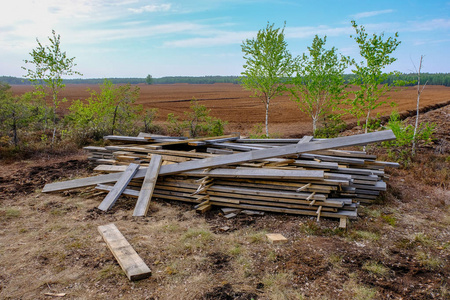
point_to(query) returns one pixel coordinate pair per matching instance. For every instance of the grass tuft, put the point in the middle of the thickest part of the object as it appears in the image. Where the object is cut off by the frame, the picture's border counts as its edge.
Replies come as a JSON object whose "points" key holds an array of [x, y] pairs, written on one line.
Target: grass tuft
{"points": [[376, 268]]}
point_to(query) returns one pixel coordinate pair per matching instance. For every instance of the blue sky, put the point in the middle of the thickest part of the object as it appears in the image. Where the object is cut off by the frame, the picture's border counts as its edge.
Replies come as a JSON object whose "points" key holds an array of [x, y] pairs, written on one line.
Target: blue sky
{"points": [[133, 38]]}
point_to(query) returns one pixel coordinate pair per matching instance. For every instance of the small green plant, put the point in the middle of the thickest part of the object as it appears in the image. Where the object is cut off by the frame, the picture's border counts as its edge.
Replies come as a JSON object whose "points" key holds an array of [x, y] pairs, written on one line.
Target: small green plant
{"points": [[235, 250], [367, 235], [257, 237], [257, 132], [109, 271], [12, 213], [428, 260], [373, 124], [376, 268], [197, 121], [390, 219], [332, 125], [400, 148], [148, 117]]}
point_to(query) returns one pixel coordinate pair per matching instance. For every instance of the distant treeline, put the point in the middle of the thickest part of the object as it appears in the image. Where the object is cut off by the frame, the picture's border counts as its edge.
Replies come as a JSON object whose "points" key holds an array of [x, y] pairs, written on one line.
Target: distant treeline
{"points": [[409, 79]]}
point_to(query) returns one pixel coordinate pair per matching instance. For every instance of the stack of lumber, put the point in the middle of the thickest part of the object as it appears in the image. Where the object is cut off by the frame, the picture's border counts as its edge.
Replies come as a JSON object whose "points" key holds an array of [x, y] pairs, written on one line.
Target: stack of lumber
{"points": [[297, 176]]}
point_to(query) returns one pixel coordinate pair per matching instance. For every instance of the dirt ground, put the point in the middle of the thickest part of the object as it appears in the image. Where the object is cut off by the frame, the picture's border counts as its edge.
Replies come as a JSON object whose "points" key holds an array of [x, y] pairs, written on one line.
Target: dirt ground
{"points": [[230, 102], [399, 248]]}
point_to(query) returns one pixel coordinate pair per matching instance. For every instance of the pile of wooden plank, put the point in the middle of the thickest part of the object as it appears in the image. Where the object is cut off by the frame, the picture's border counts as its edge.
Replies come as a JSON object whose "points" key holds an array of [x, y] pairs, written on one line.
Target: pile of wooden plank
{"points": [[297, 176]]}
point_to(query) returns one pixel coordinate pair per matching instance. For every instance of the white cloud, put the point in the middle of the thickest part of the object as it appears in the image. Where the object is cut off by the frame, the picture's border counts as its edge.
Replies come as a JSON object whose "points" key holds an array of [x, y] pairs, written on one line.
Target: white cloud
{"points": [[435, 24], [220, 38], [151, 8], [372, 13], [308, 31]]}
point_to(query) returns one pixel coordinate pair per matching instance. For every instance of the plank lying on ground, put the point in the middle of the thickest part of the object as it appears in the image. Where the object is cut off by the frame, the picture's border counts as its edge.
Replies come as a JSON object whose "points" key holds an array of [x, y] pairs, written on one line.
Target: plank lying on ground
{"points": [[148, 186], [133, 265], [120, 185], [361, 139]]}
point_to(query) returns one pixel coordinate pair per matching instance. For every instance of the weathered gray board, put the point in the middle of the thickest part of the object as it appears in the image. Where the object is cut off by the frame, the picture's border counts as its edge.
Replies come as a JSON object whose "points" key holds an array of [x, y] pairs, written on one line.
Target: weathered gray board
{"points": [[148, 186], [126, 256], [361, 139], [119, 187], [259, 173]]}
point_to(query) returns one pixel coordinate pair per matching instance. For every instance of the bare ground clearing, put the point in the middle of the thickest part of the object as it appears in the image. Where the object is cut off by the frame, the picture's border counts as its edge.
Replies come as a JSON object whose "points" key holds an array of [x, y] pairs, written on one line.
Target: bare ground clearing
{"points": [[232, 103], [398, 248]]}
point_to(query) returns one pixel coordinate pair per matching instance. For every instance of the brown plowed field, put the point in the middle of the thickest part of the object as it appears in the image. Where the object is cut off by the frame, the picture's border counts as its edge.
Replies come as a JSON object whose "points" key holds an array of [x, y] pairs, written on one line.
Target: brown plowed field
{"points": [[232, 103]]}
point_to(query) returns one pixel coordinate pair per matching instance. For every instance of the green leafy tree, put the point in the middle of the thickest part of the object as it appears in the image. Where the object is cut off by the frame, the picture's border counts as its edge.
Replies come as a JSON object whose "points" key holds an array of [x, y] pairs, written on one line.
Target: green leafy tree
{"points": [[15, 113], [149, 79], [319, 83], [108, 111], [268, 64], [369, 75], [50, 64]]}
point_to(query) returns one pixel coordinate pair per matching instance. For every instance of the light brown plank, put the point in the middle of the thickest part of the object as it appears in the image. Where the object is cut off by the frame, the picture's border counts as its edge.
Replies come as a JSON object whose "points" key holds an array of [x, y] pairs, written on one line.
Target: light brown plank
{"points": [[143, 202], [133, 265]]}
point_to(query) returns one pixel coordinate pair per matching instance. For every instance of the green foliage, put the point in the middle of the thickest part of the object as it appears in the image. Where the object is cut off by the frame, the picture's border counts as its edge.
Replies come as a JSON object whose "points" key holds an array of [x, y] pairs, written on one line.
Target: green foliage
{"points": [[197, 121], [268, 62], [109, 111], [400, 148], [369, 76], [319, 84], [50, 63], [257, 132], [149, 79], [332, 125], [148, 116], [16, 112], [373, 124]]}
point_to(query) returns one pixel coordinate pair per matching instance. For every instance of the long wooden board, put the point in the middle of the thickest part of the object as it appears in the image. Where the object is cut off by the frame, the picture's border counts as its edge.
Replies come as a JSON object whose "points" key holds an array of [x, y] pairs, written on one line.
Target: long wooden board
{"points": [[148, 186], [119, 187], [258, 173], [361, 139], [133, 265]]}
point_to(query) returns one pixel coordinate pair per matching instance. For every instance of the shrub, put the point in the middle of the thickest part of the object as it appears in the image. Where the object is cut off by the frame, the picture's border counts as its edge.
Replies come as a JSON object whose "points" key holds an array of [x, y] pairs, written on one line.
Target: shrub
{"points": [[197, 121], [400, 148], [332, 125]]}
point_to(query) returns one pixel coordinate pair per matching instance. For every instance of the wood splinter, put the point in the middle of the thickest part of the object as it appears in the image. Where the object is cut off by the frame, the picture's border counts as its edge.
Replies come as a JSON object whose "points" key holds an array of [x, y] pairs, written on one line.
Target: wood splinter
{"points": [[303, 187], [318, 213]]}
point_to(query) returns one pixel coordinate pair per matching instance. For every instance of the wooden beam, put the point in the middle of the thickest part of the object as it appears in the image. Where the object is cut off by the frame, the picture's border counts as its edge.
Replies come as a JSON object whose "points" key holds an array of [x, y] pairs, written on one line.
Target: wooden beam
{"points": [[119, 187], [133, 265], [145, 195], [360, 139]]}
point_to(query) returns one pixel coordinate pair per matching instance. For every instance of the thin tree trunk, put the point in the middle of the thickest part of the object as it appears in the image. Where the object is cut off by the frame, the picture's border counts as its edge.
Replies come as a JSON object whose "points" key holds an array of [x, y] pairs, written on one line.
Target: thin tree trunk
{"points": [[413, 150], [267, 117], [367, 121], [16, 140], [114, 120], [54, 118], [314, 126]]}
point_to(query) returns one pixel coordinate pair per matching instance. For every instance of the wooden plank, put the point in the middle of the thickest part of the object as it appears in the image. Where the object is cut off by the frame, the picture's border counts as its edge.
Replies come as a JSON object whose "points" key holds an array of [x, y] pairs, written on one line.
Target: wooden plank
{"points": [[120, 185], [338, 159], [305, 139], [126, 139], [143, 202], [133, 265], [258, 173], [199, 139], [276, 238], [361, 139]]}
